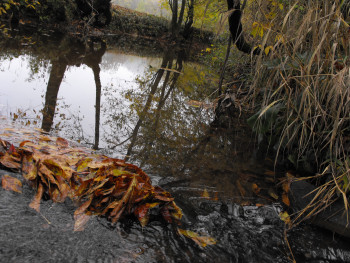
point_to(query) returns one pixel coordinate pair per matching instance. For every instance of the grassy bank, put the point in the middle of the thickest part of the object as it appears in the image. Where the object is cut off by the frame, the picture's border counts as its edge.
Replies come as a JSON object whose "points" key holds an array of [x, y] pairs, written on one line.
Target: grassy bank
{"points": [[65, 16], [299, 89]]}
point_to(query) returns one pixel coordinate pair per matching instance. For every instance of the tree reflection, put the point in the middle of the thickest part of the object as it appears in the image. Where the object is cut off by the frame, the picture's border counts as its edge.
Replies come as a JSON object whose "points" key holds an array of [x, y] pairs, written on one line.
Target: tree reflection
{"points": [[168, 82], [73, 53]]}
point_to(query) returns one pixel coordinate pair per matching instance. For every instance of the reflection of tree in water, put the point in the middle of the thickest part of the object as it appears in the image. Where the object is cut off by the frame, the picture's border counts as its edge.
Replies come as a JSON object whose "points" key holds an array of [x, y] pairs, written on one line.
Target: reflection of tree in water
{"points": [[166, 136], [73, 53]]}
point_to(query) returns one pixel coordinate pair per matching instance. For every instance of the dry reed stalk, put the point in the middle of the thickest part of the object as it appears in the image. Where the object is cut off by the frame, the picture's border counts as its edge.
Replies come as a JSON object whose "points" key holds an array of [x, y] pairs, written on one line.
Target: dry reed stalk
{"points": [[306, 80]]}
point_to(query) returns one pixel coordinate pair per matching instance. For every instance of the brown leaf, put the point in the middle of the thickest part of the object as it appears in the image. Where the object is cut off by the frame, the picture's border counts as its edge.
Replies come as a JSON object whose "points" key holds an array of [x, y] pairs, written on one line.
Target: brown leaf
{"points": [[80, 221], [35, 204], [10, 161], [240, 188], [117, 211], [82, 208], [11, 184], [141, 212], [62, 142], [255, 189], [29, 169]]}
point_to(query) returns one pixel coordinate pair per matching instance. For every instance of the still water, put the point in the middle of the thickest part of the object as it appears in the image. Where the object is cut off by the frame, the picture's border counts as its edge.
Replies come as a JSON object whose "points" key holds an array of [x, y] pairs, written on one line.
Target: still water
{"points": [[138, 101]]}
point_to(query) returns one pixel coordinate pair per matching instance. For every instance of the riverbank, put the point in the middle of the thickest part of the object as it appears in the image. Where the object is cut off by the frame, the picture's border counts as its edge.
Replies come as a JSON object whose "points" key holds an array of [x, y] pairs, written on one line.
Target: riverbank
{"points": [[123, 21]]}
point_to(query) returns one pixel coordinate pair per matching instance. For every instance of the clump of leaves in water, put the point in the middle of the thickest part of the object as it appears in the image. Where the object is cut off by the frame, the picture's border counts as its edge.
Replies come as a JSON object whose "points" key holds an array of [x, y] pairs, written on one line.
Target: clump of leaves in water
{"points": [[101, 185]]}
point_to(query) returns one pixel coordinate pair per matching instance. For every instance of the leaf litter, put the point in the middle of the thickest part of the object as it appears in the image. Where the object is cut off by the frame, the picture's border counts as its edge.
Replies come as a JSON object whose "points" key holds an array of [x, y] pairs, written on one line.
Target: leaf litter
{"points": [[102, 186]]}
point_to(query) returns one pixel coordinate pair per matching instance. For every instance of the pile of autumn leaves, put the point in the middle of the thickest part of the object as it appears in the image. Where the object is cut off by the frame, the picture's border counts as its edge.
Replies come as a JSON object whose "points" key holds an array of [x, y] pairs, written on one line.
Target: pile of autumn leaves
{"points": [[100, 185]]}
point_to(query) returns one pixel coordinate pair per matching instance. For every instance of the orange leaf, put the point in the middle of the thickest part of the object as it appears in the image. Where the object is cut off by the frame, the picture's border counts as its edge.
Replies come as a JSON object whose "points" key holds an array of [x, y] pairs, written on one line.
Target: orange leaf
{"points": [[285, 199], [11, 184], [23, 143], [255, 188], [285, 187], [35, 204], [269, 173]]}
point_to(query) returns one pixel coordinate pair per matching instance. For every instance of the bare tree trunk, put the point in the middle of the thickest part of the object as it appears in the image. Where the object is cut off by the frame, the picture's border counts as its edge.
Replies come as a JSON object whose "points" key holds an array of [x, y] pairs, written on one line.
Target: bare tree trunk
{"points": [[235, 26], [174, 7], [189, 20]]}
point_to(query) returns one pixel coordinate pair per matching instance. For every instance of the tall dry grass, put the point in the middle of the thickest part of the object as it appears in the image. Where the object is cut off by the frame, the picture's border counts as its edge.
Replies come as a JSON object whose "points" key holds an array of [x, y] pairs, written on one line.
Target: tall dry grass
{"points": [[301, 89]]}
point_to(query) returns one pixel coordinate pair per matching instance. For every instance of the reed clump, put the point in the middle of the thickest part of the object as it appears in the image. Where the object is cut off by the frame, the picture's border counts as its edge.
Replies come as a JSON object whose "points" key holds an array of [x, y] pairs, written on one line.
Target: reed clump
{"points": [[300, 89]]}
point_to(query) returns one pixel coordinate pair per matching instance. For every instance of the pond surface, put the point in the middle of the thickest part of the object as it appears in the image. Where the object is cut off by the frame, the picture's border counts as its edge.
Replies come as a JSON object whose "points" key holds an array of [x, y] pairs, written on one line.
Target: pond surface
{"points": [[140, 102]]}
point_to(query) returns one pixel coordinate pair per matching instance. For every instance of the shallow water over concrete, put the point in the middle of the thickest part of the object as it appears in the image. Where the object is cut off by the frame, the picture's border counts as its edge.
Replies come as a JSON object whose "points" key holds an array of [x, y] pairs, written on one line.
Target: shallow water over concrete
{"points": [[143, 109]]}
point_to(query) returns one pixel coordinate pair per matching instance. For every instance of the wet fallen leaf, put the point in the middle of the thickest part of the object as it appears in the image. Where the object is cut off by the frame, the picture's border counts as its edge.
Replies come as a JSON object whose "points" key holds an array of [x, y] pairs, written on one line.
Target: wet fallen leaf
{"points": [[35, 204], [205, 194], [10, 161], [255, 188], [202, 241], [61, 142], [11, 184], [142, 212], [80, 221], [240, 188], [285, 217], [29, 169], [272, 193], [285, 187], [269, 173], [285, 199], [112, 187]]}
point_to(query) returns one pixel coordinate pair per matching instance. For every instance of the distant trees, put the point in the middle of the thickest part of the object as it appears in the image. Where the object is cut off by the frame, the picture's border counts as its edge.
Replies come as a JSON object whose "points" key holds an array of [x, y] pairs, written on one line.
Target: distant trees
{"points": [[179, 10]]}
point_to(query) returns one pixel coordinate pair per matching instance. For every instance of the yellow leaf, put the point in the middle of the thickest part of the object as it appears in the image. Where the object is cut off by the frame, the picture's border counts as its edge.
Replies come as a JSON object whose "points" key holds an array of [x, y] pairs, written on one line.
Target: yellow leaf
{"points": [[205, 194], [272, 193], [285, 217], [202, 241], [267, 50]]}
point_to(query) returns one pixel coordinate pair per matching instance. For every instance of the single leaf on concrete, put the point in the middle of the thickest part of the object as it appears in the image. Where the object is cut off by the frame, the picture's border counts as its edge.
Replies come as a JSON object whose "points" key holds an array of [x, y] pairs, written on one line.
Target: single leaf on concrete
{"points": [[80, 221], [202, 241], [82, 208], [35, 204], [11, 184]]}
